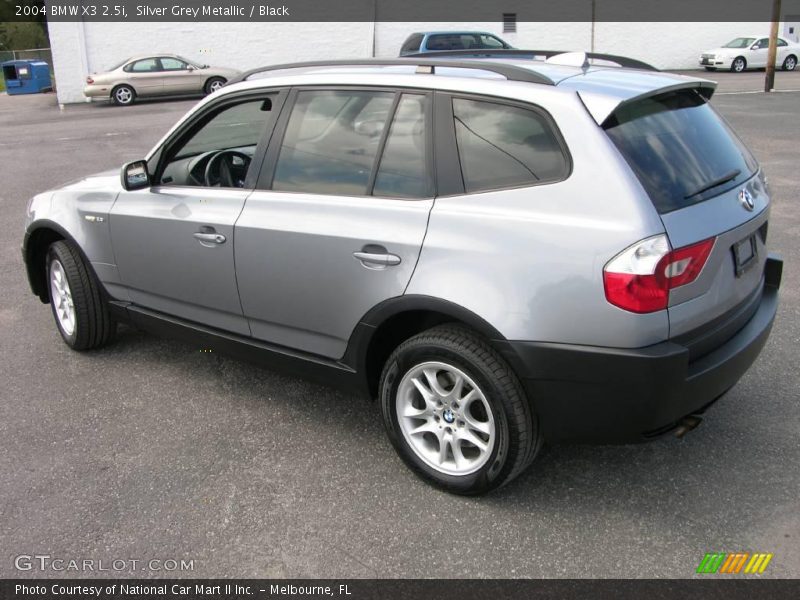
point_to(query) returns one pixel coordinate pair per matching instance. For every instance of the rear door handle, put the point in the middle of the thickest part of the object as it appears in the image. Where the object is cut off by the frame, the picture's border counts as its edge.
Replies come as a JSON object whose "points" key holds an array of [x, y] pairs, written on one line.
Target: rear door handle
{"points": [[209, 238], [373, 259]]}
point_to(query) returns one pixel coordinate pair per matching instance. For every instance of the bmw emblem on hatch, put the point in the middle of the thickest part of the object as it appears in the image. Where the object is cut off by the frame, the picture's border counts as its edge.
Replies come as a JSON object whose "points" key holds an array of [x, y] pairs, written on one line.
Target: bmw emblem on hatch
{"points": [[747, 200]]}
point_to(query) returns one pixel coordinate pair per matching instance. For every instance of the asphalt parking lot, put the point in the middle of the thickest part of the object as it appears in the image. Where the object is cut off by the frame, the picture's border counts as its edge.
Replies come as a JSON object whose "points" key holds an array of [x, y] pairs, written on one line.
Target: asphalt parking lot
{"points": [[151, 449]]}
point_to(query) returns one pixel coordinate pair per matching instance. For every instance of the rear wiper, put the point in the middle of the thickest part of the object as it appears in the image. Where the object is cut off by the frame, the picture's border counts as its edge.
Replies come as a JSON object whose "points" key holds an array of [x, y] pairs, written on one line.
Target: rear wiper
{"points": [[730, 176]]}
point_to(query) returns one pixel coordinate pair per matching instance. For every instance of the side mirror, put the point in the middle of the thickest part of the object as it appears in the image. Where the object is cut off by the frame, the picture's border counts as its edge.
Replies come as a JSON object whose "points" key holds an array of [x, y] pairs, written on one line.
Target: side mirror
{"points": [[190, 68], [135, 175]]}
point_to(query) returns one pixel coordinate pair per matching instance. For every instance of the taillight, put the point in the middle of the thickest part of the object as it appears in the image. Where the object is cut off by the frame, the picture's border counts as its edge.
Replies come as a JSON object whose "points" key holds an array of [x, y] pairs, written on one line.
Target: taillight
{"points": [[89, 80], [639, 278]]}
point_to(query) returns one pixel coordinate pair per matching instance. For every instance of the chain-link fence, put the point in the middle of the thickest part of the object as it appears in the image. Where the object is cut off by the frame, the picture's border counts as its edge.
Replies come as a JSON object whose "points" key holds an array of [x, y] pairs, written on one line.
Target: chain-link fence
{"points": [[35, 53]]}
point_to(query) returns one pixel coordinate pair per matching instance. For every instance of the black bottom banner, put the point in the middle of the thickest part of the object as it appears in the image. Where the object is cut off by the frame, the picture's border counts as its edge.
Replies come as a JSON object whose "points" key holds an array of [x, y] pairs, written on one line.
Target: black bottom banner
{"points": [[358, 589]]}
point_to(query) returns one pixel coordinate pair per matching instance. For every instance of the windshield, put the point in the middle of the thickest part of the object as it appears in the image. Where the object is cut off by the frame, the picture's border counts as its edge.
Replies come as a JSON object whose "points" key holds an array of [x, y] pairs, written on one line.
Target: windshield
{"points": [[740, 43], [681, 150]]}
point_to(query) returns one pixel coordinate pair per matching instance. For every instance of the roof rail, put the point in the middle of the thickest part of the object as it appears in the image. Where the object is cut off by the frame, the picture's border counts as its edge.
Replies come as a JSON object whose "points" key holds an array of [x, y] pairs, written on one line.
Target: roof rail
{"points": [[426, 65], [622, 61]]}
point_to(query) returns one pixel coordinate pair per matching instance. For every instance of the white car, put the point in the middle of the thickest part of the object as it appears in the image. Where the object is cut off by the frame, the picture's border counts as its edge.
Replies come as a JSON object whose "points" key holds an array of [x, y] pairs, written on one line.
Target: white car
{"points": [[750, 52]]}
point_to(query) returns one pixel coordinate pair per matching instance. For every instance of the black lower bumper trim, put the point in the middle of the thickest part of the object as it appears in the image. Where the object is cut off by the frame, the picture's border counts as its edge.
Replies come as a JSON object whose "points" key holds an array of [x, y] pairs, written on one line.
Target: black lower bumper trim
{"points": [[591, 394]]}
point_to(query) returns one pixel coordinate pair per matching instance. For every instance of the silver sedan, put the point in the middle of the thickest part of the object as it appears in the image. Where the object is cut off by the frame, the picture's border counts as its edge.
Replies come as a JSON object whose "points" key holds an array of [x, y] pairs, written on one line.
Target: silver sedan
{"points": [[162, 75]]}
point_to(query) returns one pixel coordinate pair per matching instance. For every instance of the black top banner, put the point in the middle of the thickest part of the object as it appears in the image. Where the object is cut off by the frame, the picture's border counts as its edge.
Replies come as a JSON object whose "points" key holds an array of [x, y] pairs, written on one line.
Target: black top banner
{"points": [[394, 10]]}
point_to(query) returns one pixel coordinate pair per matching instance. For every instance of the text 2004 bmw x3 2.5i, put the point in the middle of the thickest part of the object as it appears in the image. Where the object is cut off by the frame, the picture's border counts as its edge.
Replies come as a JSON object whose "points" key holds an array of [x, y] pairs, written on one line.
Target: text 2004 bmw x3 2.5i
{"points": [[502, 251]]}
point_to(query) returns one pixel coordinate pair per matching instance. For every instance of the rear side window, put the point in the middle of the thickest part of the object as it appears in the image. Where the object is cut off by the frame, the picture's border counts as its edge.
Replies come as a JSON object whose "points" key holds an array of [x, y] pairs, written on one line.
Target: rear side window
{"points": [[145, 66], [331, 142], [412, 44], [502, 146], [403, 168], [680, 149]]}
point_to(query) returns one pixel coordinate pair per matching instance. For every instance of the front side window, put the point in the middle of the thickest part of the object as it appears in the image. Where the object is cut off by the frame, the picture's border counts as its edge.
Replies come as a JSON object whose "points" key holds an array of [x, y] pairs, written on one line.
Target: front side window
{"points": [[172, 64], [489, 41], [502, 146], [331, 141], [219, 151]]}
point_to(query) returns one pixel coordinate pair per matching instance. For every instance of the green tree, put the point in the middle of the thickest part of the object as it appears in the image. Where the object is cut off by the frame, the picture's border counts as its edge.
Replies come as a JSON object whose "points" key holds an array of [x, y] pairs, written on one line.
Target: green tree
{"points": [[16, 34]]}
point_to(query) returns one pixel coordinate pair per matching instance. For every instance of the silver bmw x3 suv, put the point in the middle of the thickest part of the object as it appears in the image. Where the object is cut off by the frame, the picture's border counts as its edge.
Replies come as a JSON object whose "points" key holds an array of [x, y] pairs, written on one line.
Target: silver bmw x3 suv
{"points": [[502, 251]]}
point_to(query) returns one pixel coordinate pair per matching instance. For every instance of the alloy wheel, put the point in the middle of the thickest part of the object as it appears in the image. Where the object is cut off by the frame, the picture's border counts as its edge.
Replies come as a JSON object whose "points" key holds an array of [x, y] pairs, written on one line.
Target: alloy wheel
{"points": [[445, 418], [61, 297]]}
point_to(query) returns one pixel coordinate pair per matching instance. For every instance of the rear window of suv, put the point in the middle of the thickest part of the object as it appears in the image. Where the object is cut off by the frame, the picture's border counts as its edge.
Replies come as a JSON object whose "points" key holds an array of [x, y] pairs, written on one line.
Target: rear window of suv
{"points": [[681, 150]]}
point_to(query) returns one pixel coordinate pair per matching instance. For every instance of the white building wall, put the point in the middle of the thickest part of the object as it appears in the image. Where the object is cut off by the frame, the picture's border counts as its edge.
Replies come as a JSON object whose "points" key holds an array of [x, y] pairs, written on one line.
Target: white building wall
{"points": [[83, 48], [237, 45]]}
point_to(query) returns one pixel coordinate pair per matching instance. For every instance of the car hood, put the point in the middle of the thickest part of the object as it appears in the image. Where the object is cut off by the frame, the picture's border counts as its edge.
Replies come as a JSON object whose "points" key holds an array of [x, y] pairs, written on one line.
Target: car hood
{"points": [[104, 180]]}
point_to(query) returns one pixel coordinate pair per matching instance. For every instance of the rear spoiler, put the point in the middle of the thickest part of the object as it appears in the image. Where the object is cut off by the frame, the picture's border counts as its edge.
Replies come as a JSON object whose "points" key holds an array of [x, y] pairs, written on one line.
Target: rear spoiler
{"points": [[602, 107]]}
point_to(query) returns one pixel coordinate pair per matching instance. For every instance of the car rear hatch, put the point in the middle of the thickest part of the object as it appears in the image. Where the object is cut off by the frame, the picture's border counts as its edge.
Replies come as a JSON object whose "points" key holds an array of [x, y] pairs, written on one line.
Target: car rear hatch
{"points": [[705, 185]]}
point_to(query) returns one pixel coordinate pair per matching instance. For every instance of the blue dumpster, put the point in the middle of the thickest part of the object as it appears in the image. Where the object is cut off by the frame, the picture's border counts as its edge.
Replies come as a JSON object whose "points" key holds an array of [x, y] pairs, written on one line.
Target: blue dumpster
{"points": [[26, 76]]}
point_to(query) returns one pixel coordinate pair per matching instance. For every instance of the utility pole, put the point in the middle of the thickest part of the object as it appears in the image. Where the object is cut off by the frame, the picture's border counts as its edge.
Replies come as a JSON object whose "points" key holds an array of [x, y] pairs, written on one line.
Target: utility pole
{"points": [[769, 80]]}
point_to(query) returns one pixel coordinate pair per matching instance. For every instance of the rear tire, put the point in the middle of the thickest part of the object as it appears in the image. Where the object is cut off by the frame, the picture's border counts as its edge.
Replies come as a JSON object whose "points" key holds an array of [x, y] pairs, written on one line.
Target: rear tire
{"points": [[123, 95], [739, 64], [78, 306], [466, 438], [213, 84], [789, 63]]}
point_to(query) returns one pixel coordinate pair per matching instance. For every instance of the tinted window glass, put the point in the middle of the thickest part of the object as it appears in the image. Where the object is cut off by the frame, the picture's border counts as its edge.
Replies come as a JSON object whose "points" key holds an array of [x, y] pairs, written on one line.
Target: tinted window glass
{"points": [[489, 41], [505, 146], [447, 42], [402, 172], [145, 66], [331, 142], [237, 129], [677, 145], [782, 42], [412, 43]]}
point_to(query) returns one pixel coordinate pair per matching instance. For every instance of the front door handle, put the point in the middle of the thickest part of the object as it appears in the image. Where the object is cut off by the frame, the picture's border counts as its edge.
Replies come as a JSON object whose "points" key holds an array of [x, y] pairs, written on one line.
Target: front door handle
{"points": [[375, 259], [209, 238]]}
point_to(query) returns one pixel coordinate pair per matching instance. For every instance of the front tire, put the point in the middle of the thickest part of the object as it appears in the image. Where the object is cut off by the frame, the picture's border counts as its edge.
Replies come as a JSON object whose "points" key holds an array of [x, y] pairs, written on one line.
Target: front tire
{"points": [[790, 63], [80, 312], [213, 84], [739, 64], [123, 95], [456, 413]]}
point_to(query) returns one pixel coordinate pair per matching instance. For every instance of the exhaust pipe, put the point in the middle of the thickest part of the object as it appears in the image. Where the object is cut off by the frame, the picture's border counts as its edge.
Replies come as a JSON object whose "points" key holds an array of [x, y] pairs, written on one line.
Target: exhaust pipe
{"points": [[686, 424]]}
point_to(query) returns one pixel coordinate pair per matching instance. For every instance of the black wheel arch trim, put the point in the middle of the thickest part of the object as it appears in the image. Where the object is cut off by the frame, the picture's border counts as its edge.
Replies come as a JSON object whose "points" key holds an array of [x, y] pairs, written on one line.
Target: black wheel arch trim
{"points": [[36, 278], [357, 354]]}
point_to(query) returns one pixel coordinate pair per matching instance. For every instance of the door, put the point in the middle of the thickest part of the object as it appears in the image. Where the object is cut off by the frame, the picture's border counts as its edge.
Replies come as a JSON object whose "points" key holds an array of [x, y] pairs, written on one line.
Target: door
{"points": [[179, 78], [146, 76], [338, 222], [757, 56], [174, 241]]}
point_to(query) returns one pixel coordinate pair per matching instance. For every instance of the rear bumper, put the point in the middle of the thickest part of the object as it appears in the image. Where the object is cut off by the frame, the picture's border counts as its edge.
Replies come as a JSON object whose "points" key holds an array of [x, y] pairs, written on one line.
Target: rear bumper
{"points": [[610, 395], [97, 91]]}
